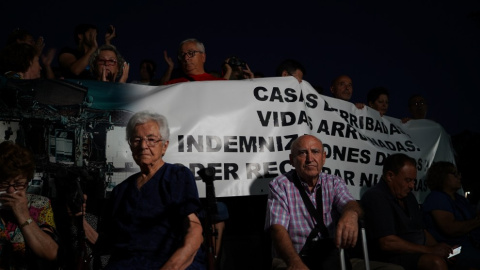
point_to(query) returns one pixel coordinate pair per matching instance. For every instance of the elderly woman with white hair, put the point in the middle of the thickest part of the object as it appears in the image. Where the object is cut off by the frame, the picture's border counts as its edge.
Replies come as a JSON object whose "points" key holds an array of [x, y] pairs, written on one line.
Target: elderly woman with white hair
{"points": [[151, 219]]}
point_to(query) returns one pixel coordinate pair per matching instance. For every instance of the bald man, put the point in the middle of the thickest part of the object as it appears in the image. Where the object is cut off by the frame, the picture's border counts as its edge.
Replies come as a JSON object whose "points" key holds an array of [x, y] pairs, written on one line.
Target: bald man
{"points": [[342, 88]]}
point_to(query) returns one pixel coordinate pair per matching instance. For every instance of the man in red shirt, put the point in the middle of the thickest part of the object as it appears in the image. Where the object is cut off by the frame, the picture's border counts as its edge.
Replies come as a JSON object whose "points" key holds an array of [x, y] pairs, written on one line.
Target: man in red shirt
{"points": [[191, 54]]}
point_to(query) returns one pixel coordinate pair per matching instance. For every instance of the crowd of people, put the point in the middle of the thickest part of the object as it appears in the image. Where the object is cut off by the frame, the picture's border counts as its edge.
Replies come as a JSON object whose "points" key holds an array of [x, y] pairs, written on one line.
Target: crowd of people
{"points": [[153, 219], [400, 234], [23, 58]]}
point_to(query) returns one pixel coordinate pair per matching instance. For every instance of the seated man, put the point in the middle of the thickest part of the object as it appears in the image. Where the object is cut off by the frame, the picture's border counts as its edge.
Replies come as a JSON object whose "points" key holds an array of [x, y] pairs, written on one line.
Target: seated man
{"points": [[394, 222], [289, 220]]}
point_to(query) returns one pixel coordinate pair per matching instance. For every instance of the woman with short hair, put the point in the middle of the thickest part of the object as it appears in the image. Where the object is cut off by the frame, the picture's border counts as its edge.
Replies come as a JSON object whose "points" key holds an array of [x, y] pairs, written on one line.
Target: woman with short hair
{"points": [[151, 219], [27, 229], [377, 99], [20, 61], [108, 65]]}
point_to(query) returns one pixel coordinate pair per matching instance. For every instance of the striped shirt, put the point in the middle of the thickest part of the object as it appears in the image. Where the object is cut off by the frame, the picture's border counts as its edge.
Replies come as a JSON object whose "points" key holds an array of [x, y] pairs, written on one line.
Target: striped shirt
{"points": [[286, 207]]}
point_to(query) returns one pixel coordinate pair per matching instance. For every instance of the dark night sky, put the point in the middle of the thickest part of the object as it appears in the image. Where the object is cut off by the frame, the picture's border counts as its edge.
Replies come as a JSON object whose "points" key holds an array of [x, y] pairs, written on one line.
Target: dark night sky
{"points": [[426, 47]]}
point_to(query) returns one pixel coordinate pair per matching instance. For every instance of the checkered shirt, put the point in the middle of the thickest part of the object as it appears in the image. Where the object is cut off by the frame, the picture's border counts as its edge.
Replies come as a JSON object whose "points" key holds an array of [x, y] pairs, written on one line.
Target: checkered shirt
{"points": [[286, 207]]}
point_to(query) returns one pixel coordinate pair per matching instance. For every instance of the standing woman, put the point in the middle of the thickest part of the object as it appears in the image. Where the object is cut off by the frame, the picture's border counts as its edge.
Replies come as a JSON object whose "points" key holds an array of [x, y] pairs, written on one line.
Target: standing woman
{"points": [[27, 229], [449, 217], [377, 99], [108, 65]]}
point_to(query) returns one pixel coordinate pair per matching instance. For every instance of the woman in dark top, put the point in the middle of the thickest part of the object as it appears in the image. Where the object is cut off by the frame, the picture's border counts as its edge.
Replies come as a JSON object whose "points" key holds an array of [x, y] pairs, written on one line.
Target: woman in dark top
{"points": [[151, 218], [449, 217]]}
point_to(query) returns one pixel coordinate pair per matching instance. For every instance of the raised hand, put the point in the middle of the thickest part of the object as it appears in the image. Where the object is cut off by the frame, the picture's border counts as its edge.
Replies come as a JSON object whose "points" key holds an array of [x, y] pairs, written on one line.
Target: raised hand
{"points": [[39, 45], [111, 34], [126, 69], [247, 73], [168, 60], [48, 57]]}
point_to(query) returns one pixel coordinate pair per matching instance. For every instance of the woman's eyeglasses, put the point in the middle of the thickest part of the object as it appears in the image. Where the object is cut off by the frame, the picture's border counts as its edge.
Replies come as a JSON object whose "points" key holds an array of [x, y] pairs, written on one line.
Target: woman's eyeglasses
{"points": [[151, 141], [190, 54], [107, 62], [16, 186]]}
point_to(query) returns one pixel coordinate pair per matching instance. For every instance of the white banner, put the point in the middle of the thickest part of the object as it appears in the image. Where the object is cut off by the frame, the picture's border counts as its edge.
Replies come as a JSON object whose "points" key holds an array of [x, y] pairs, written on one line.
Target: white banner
{"points": [[244, 130]]}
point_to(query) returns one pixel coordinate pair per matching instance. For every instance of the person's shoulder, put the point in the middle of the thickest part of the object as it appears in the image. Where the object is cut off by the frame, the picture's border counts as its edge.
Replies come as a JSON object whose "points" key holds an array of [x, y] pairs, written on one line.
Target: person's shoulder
{"points": [[38, 200], [283, 179], [206, 77], [373, 192], [434, 195], [125, 182], [437, 199], [177, 80], [288, 176], [330, 177], [332, 180], [173, 172], [177, 168]]}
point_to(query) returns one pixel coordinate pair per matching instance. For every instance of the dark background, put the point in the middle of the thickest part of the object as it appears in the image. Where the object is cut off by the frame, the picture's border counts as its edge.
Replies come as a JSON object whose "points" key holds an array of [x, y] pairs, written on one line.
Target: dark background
{"points": [[426, 47]]}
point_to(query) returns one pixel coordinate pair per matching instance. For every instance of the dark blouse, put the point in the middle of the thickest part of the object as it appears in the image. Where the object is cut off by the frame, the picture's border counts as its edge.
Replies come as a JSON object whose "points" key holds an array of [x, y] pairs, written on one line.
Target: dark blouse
{"points": [[384, 216], [149, 223], [66, 73], [460, 208]]}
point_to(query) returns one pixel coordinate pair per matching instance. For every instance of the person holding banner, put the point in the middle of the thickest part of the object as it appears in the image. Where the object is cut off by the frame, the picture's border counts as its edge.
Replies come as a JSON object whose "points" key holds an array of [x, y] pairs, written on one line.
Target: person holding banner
{"points": [[151, 218], [192, 57], [377, 99], [394, 224], [342, 88], [302, 235], [417, 106], [291, 67], [449, 216]]}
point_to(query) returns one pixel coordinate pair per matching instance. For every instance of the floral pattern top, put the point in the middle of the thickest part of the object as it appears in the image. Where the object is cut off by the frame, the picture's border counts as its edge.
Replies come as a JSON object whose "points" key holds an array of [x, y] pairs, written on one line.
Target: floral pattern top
{"points": [[12, 243]]}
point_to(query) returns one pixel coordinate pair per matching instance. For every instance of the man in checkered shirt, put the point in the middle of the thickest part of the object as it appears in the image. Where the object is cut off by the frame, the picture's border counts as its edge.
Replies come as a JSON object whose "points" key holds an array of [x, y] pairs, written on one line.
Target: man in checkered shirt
{"points": [[288, 219]]}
